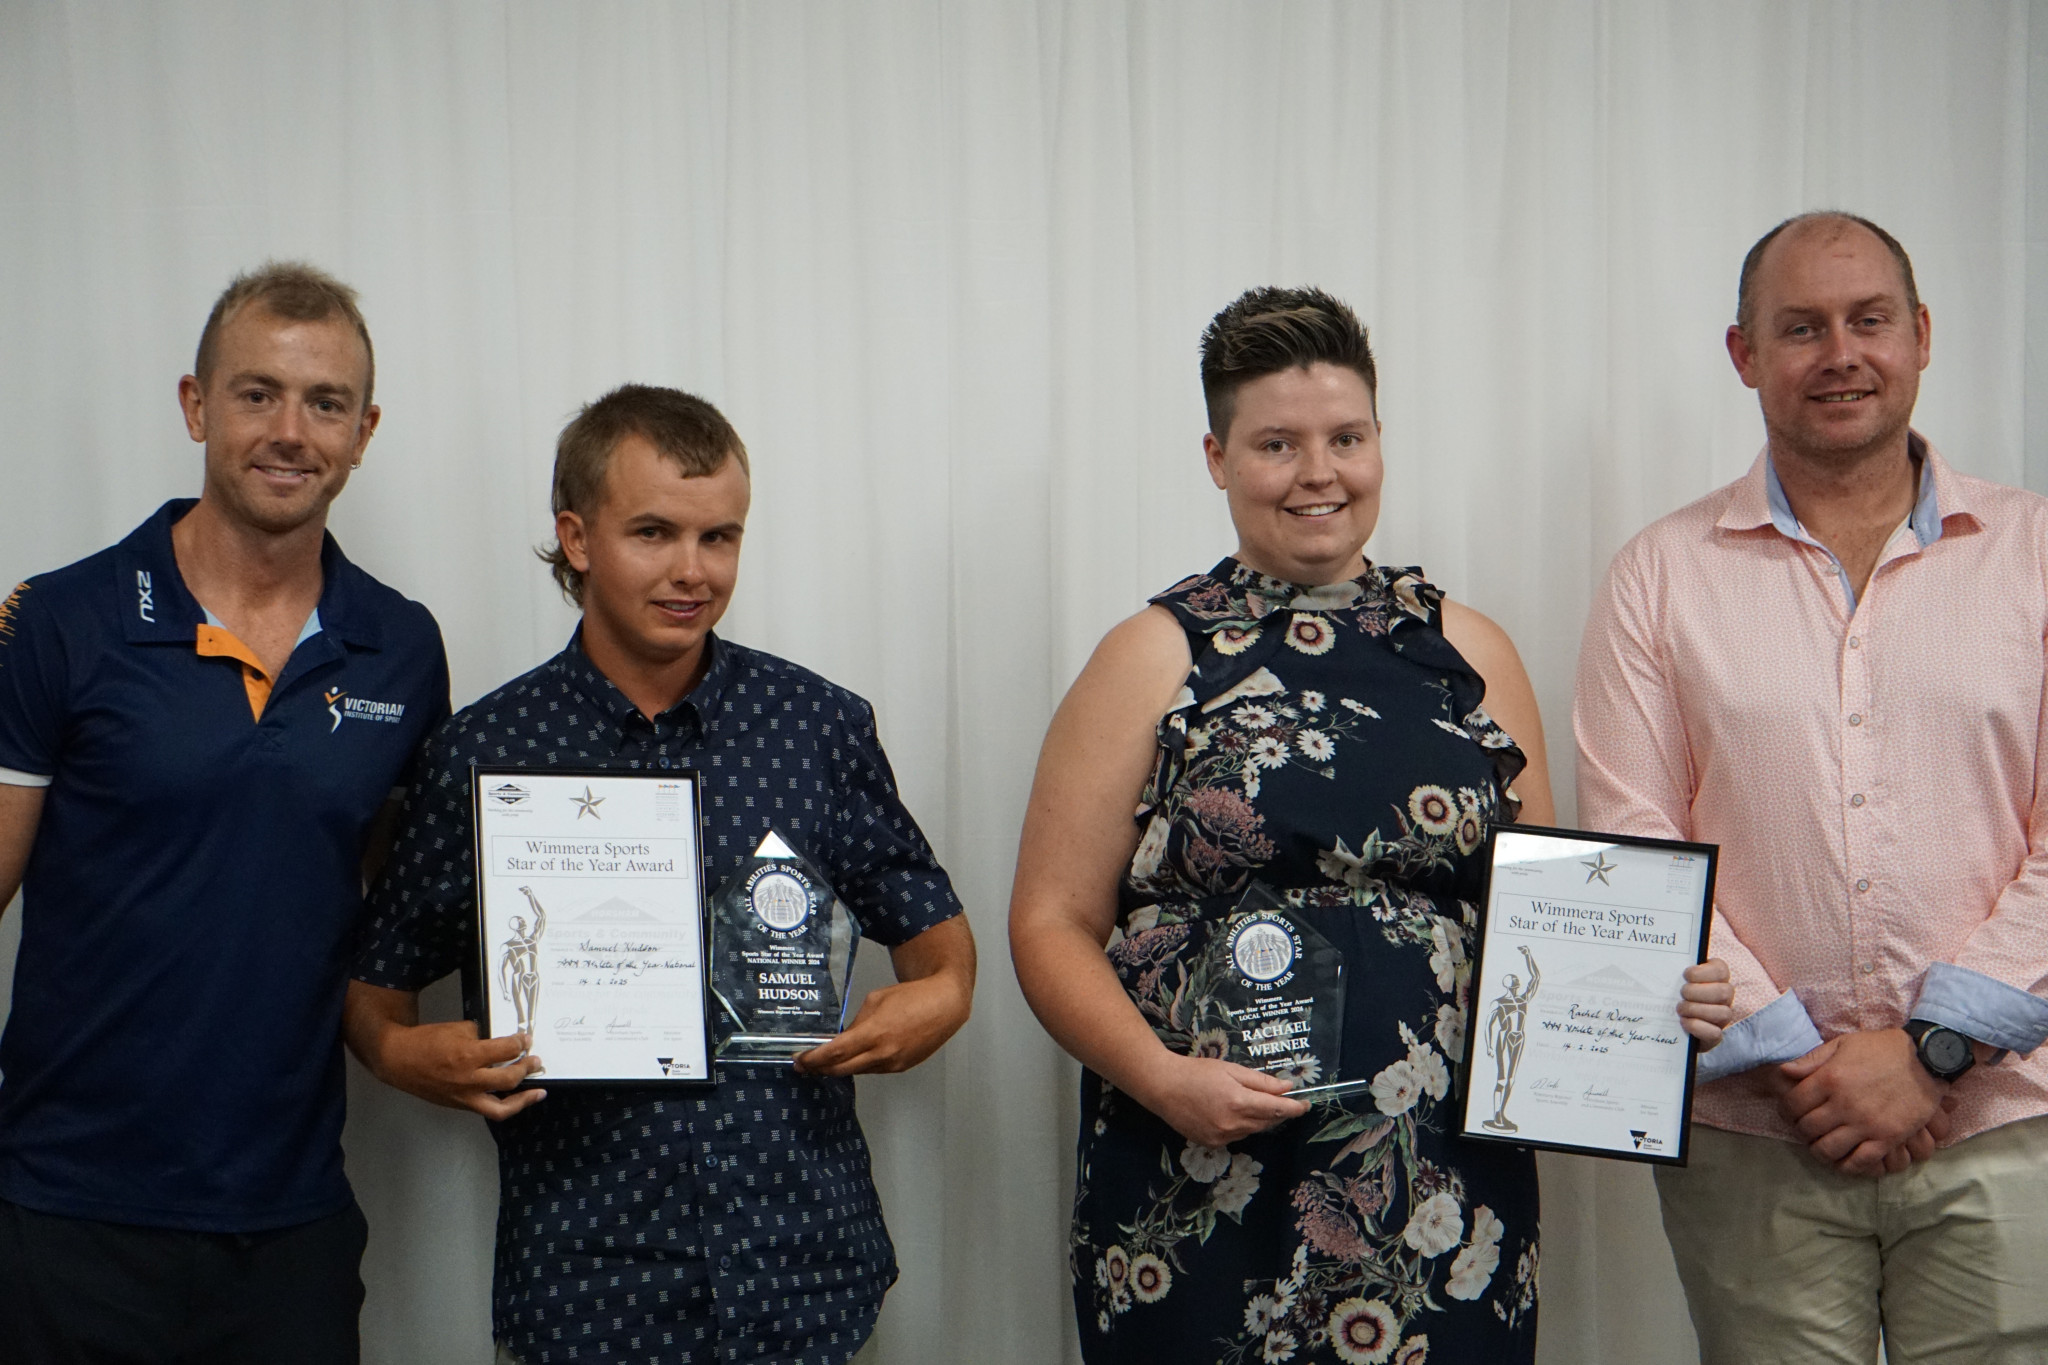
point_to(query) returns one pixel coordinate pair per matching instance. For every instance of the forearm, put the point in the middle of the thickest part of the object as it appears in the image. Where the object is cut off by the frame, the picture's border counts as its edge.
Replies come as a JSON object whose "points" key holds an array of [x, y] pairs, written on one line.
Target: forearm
{"points": [[444, 1064], [1071, 987], [368, 1016], [942, 954], [21, 813], [900, 1026]]}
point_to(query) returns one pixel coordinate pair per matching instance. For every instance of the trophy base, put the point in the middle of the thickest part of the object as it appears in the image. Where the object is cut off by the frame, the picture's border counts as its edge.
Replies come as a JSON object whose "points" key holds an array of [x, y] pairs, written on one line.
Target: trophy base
{"points": [[767, 1049], [1500, 1126]]}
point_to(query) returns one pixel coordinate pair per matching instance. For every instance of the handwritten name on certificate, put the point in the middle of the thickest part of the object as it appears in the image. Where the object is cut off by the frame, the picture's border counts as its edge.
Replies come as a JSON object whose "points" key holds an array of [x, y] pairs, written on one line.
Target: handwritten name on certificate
{"points": [[591, 922], [1576, 1042]]}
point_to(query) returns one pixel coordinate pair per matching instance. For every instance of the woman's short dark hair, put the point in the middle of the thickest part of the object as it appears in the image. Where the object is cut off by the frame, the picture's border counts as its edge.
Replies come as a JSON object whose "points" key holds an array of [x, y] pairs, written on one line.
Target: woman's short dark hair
{"points": [[1267, 330], [684, 429]]}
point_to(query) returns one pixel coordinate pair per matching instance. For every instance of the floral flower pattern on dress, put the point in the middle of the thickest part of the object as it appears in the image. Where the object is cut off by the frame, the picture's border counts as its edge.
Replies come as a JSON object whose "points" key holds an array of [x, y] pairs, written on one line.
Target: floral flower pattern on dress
{"points": [[1388, 1251]]}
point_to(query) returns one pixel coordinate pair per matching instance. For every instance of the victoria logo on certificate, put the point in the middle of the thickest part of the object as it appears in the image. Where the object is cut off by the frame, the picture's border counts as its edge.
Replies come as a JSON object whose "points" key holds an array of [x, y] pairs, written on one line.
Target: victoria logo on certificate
{"points": [[1575, 1041], [590, 915]]}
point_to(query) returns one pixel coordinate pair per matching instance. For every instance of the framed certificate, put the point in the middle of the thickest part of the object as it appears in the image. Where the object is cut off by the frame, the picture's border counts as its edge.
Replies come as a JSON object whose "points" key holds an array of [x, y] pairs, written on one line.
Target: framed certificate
{"points": [[591, 924], [1575, 1042]]}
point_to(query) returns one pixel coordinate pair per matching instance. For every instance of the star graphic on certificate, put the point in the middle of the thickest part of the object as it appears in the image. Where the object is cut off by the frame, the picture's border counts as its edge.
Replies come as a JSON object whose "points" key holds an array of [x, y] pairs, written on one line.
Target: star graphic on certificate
{"points": [[587, 804], [1601, 867]]}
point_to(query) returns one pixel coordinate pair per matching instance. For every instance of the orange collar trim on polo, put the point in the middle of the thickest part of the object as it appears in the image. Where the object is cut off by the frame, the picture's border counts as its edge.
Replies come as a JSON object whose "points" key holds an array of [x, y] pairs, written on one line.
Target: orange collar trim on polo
{"points": [[219, 642]]}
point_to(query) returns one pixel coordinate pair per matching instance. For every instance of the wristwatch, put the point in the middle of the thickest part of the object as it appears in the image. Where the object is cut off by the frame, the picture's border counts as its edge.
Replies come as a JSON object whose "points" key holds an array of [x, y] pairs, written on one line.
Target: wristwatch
{"points": [[1945, 1053]]}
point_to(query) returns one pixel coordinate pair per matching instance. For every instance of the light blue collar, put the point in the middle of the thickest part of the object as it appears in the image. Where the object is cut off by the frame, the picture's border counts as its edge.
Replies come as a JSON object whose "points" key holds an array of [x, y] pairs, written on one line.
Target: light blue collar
{"points": [[1924, 520], [306, 632]]}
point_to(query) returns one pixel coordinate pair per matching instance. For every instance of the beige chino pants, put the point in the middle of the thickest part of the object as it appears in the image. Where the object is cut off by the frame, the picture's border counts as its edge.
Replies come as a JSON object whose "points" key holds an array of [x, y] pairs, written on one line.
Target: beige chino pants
{"points": [[1785, 1261]]}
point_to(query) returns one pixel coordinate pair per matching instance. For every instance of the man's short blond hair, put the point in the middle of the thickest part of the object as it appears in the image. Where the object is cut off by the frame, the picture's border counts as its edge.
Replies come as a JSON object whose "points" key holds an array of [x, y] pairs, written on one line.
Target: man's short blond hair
{"points": [[291, 290]]}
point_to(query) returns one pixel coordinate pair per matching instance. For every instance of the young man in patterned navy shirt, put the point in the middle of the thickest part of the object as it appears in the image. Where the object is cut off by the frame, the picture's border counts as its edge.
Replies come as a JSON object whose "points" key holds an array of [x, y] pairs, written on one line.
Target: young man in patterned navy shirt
{"points": [[671, 1226]]}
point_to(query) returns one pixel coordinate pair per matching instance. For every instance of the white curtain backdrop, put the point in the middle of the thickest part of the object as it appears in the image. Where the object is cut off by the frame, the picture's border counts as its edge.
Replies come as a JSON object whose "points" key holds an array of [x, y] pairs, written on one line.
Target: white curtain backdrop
{"points": [[944, 265]]}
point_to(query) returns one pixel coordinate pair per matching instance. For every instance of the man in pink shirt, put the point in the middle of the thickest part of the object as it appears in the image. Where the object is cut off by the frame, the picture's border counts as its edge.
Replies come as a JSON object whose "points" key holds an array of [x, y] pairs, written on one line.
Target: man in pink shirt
{"points": [[1834, 669]]}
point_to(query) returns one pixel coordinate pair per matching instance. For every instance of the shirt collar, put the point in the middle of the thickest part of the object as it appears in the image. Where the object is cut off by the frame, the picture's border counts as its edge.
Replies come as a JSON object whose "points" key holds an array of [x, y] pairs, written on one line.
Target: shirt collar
{"points": [[590, 683], [306, 632], [1759, 498], [158, 607]]}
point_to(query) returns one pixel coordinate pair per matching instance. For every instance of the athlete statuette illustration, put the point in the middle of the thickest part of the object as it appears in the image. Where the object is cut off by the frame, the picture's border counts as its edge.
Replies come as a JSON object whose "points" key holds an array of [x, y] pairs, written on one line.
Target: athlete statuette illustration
{"points": [[519, 967], [1506, 1032]]}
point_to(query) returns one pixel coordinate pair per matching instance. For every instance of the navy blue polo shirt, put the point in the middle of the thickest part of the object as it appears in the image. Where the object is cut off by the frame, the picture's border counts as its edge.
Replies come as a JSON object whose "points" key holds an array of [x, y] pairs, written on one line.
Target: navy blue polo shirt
{"points": [[173, 1056], [678, 1227]]}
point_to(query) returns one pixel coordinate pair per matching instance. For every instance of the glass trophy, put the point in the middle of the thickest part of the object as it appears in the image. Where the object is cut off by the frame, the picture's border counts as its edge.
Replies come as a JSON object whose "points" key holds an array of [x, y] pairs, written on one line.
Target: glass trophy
{"points": [[781, 955], [1273, 989]]}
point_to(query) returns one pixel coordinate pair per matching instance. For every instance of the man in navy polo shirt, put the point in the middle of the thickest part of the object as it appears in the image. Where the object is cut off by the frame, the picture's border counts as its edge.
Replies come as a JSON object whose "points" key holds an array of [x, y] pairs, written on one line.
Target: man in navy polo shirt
{"points": [[672, 1226], [198, 727]]}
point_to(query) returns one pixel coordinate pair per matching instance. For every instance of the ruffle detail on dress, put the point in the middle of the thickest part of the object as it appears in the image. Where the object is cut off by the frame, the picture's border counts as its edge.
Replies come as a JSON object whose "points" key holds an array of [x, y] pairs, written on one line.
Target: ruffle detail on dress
{"points": [[1237, 619]]}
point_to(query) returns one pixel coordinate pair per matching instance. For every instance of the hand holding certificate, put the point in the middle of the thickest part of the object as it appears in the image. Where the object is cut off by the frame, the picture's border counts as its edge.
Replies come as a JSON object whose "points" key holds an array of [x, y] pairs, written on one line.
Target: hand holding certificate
{"points": [[591, 922], [1577, 1043]]}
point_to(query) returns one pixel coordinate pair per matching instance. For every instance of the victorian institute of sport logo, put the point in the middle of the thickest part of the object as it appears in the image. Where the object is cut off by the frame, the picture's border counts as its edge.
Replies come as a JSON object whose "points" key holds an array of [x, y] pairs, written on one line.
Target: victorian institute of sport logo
{"points": [[342, 706]]}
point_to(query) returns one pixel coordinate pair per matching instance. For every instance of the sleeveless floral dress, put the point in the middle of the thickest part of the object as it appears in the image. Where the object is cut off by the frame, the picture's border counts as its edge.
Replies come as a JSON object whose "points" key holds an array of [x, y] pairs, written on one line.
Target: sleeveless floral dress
{"points": [[1330, 743]]}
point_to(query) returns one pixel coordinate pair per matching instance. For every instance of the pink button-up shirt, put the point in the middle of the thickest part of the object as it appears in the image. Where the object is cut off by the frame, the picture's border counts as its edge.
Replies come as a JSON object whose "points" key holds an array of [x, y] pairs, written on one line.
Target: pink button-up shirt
{"points": [[1873, 775]]}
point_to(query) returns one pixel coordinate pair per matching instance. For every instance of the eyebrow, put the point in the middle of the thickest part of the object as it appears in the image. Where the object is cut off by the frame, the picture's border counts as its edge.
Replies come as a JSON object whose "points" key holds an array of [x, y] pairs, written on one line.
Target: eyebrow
{"points": [[641, 520], [1282, 429], [1886, 300], [270, 381]]}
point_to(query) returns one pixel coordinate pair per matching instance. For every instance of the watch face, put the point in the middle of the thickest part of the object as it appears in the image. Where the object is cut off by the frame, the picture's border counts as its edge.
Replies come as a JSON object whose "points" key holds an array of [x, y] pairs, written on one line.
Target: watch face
{"points": [[1945, 1050]]}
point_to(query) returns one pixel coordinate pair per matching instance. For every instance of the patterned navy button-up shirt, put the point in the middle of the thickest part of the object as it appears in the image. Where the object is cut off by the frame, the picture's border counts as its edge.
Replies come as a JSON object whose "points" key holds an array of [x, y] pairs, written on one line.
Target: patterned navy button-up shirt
{"points": [[671, 1226]]}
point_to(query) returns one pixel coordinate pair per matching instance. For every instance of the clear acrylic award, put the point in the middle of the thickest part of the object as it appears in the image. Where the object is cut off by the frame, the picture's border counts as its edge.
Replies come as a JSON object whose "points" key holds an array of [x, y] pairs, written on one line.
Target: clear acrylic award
{"points": [[1268, 993], [782, 946]]}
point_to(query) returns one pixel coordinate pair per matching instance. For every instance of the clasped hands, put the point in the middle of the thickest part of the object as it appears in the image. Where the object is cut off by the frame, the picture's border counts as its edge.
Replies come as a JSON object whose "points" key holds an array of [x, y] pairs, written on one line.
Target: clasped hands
{"points": [[1862, 1101]]}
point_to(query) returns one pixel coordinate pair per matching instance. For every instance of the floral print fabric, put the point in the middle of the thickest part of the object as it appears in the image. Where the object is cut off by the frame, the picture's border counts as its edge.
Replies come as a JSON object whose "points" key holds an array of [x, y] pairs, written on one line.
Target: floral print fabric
{"points": [[1331, 744]]}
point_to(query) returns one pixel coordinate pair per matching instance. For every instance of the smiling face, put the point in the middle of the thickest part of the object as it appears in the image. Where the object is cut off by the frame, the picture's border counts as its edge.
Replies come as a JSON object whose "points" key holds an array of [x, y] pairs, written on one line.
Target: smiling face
{"points": [[282, 417], [659, 557], [1835, 350], [1301, 467]]}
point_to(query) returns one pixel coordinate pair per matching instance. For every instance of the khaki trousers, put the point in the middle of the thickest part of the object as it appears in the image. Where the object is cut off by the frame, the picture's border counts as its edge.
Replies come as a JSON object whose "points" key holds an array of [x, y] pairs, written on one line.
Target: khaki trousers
{"points": [[1785, 1261]]}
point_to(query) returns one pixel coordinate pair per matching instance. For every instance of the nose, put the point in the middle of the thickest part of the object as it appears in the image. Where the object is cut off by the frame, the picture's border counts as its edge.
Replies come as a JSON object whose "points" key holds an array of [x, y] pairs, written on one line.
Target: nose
{"points": [[686, 566], [1318, 466], [1842, 354], [289, 426]]}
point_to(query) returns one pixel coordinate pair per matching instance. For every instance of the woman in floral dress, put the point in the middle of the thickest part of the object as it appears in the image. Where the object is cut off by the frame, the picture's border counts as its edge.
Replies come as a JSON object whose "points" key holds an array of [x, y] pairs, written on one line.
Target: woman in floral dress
{"points": [[1303, 719]]}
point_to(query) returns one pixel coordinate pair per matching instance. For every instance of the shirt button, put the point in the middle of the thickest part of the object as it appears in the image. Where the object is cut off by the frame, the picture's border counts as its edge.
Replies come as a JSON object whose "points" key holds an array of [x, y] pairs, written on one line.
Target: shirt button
{"points": [[1857, 799], [1855, 643], [664, 762], [1863, 883], [1869, 968], [1853, 720], [725, 1262]]}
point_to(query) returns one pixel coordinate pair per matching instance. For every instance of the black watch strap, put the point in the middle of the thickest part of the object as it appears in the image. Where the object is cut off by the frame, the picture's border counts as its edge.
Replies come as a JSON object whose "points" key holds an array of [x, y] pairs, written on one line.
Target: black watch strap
{"points": [[1945, 1053]]}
